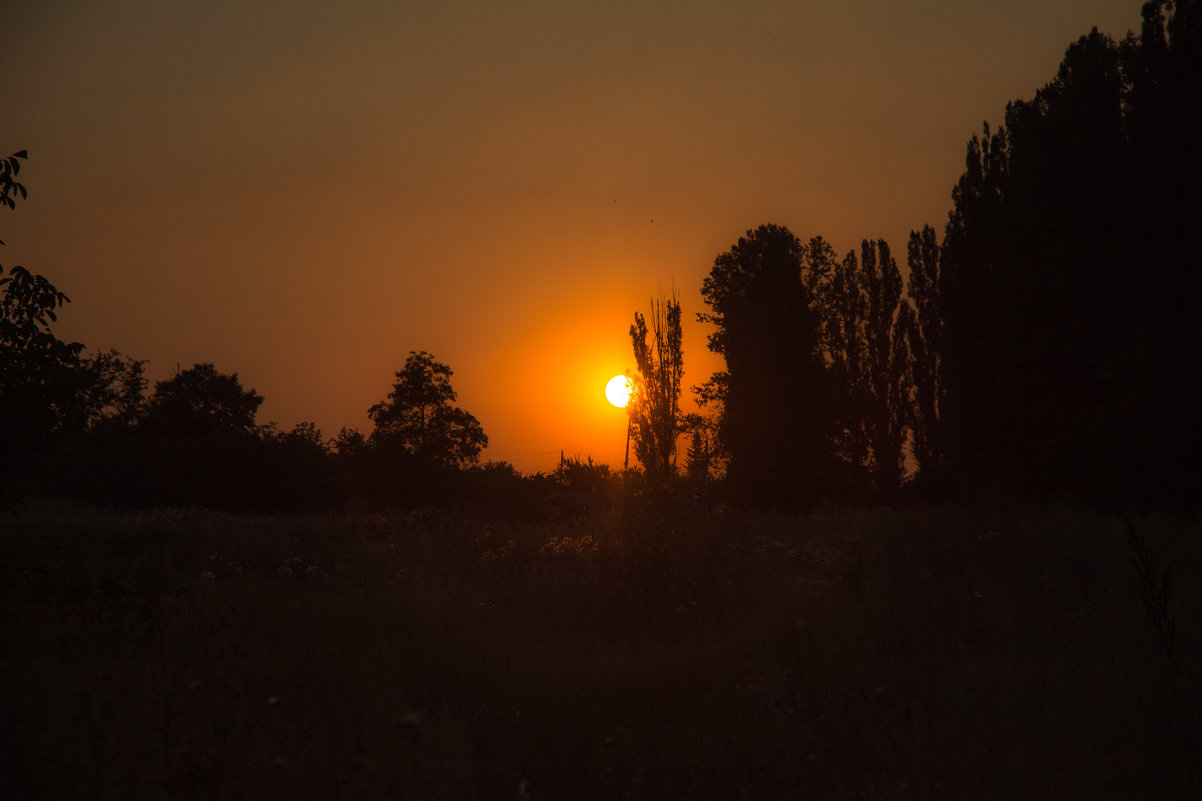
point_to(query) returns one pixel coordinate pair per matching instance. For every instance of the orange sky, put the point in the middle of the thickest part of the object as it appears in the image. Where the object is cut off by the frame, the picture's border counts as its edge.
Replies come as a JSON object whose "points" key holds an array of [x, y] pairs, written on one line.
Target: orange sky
{"points": [[303, 192]]}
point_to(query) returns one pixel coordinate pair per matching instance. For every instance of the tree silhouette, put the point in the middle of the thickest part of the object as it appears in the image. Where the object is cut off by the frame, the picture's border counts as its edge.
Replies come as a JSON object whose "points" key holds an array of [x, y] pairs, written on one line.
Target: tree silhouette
{"points": [[924, 333], [841, 305], [96, 458], [970, 320], [654, 406], [113, 390], [348, 442], [710, 397], [37, 369], [198, 442], [889, 379], [701, 457], [776, 407], [580, 475], [418, 417], [862, 320], [305, 435], [301, 472], [1071, 276], [10, 187], [202, 401], [38, 379]]}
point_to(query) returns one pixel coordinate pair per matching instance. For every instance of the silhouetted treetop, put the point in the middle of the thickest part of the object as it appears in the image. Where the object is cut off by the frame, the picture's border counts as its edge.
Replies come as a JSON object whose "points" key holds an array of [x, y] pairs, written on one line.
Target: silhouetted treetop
{"points": [[113, 389], [201, 400], [765, 262], [418, 416]]}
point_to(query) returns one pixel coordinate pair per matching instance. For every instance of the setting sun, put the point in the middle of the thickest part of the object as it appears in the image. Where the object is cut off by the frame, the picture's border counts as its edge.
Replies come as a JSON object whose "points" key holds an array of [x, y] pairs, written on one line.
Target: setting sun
{"points": [[618, 390]]}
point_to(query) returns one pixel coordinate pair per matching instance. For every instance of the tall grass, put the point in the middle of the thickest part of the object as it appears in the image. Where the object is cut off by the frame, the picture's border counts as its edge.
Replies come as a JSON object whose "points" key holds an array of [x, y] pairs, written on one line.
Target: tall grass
{"points": [[956, 652]]}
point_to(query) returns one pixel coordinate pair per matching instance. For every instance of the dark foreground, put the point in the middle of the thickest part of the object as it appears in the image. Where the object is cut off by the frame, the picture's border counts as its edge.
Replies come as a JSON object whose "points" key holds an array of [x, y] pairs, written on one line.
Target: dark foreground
{"points": [[983, 652]]}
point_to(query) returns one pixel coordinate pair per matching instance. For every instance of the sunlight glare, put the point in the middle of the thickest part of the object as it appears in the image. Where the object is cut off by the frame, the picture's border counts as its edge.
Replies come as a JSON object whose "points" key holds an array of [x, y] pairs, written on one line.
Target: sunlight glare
{"points": [[618, 390]]}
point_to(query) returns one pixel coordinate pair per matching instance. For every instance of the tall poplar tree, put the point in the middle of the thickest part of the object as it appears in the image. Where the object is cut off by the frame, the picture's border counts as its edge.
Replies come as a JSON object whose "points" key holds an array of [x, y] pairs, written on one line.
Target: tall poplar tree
{"points": [[654, 408], [924, 334], [889, 382], [863, 320]]}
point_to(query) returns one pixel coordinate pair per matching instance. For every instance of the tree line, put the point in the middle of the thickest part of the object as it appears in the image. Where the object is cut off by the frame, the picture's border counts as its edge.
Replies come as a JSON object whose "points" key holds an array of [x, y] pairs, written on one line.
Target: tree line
{"points": [[1050, 344]]}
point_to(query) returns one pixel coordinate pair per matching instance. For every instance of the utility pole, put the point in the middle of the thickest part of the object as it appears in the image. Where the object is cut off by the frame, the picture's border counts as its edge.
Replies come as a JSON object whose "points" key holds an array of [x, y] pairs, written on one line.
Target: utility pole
{"points": [[626, 464]]}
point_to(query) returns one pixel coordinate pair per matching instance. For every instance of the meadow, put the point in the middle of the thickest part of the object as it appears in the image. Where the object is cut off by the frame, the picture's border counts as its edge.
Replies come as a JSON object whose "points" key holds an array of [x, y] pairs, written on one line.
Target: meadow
{"points": [[641, 652]]}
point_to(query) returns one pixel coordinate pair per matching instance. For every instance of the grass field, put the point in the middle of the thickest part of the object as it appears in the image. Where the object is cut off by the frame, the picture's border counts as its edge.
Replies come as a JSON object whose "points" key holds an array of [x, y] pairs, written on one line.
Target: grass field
{"points": [[954, 652]]}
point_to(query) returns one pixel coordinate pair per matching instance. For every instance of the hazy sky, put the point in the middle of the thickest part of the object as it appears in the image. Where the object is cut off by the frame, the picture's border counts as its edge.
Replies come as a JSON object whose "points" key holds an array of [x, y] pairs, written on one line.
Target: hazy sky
{"points": [[303, 192]]}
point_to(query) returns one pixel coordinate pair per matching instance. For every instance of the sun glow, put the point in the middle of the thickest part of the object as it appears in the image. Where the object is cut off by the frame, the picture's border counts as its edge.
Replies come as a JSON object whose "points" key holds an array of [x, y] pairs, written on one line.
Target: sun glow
{"points": [[618, 390]]}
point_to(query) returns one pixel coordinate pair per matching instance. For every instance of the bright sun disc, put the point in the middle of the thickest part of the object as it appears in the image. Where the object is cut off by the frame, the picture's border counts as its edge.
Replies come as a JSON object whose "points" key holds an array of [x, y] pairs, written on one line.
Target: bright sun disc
{"points": [[618, 390]]}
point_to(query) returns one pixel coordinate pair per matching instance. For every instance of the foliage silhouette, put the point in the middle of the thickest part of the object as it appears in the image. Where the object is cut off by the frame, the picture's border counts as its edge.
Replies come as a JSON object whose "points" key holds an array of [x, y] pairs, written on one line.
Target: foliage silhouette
{"points": [[10, 187], [925, 337], [419, 420], [201, 400], [701, 460], [580, 475], [710, 397], [198, 444], [113, 390], [841, 306], [888, 385], [348, 442], [194, 442], [99, 459], [1071, 277], [862, 324], [654, 406], [777, 416], [38, 379]]}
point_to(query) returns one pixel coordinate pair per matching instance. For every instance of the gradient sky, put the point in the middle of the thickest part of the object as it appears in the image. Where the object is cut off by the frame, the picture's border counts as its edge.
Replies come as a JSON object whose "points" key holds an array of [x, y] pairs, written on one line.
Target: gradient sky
{"points": [[303, 192]]}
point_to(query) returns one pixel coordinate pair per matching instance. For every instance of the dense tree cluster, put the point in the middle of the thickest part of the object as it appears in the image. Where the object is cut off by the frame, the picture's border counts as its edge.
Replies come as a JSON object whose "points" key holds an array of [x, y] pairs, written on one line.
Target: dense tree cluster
{"points": [[1049, 344], [1071, 276], [194, 440], [816, 401]]}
